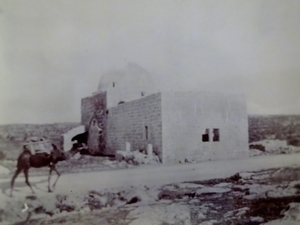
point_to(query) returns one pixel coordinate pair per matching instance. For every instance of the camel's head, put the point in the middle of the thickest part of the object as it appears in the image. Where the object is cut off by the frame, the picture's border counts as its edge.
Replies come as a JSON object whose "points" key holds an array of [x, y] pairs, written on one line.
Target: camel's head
{"points": [[77, 147], [58, 154]]}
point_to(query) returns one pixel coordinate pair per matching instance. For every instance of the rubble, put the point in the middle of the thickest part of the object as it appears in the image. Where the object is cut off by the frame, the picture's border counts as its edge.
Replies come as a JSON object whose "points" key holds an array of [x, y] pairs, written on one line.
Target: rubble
{"points": [[136, 157]]}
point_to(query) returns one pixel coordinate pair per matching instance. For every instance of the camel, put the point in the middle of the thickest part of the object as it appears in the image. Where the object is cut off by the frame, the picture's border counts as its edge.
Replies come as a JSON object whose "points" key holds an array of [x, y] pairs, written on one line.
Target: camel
{"points": [[38, 160]]}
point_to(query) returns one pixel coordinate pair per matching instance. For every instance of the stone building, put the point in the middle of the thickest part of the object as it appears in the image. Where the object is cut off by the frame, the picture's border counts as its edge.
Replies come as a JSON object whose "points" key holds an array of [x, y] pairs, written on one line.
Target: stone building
{"points": [[179, 125]]}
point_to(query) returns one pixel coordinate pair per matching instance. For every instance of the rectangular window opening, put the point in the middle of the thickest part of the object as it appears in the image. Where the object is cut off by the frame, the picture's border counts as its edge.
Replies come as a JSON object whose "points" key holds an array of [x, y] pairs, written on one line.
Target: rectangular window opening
{"points": [[113, 84], [146, 132], [216, 134], [205, 136]]}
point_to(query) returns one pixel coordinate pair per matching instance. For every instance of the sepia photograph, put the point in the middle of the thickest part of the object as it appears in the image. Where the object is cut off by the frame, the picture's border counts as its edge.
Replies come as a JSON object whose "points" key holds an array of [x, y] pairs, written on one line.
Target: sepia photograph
{"points": [[150, 112]]}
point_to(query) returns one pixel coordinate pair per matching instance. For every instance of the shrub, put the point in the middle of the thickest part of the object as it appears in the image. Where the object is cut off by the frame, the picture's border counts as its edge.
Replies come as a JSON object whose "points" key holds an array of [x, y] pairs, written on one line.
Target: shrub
{"points": [[295, 141], [258, 147]]}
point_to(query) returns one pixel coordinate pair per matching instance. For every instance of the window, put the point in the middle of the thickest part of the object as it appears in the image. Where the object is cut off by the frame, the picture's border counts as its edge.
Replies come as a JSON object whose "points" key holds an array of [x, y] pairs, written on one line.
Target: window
{"points": [[142, 93], [205, 136], [146, 132], [113, 84], [216, 134]]}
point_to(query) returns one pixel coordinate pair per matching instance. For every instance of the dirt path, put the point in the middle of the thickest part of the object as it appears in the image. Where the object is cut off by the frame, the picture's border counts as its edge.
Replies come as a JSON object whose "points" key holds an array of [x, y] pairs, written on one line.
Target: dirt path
{"points": [[150, 175]]}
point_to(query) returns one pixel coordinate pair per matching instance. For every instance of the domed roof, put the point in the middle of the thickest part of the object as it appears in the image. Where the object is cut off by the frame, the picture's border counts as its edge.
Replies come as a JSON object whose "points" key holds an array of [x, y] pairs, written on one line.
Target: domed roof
{"points": [[125, 85], [132, 76]]}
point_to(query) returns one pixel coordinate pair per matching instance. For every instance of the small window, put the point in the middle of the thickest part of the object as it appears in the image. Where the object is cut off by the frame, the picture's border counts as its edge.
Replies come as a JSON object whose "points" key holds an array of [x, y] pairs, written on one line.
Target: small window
{"points": [[216, 134], [113, 84], [205, 136], [146, 132], [142, 93]]}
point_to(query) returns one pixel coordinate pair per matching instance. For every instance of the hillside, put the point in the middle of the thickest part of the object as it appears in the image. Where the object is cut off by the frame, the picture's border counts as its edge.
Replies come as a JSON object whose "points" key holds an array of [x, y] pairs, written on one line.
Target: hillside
{"points": [[12, 135], [281, 127]]}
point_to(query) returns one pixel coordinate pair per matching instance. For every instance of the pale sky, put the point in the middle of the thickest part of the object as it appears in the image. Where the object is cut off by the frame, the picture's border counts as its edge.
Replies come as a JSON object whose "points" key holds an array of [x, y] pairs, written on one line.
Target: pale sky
{"points": [[53, 53]]}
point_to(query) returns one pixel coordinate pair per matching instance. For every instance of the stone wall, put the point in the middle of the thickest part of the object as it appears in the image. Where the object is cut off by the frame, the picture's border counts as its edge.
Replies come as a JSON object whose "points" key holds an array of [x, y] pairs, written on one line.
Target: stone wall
{"points": [[94, 108], [138, 122], [90, 106], [188, 116]]}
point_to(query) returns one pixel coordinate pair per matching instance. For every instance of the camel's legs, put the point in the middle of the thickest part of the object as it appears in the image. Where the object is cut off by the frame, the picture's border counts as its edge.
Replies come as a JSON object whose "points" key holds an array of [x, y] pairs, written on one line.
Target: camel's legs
{"points": [[58, 175], [18, 171], [26, 179], [49, 178]]}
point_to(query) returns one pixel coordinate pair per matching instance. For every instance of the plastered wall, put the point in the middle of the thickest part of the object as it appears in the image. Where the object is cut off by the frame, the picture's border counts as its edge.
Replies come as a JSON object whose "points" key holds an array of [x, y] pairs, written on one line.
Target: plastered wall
{"points": [[186, 116]]}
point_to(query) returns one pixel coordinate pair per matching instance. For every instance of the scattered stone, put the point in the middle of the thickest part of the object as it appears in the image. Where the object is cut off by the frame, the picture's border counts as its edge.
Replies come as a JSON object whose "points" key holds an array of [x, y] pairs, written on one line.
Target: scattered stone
{"points": [[255, 152], [189, 185], [194, 201], [209, 222], [236, 213], [223, 185], [124, 155], [136, 157], [257, 219], [76, 156], [212, 190], [242, 211]]}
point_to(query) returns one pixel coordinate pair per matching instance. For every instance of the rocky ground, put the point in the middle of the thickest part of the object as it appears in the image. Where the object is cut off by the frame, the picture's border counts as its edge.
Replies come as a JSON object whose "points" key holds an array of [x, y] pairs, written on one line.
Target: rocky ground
{"points": [[265, 197], [272, 147]]}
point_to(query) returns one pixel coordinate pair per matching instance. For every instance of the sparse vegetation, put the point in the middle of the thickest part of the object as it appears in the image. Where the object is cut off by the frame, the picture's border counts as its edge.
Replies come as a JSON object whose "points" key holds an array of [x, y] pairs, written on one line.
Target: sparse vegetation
{"points": [[274, 127], [258, 147], [294, 141]]}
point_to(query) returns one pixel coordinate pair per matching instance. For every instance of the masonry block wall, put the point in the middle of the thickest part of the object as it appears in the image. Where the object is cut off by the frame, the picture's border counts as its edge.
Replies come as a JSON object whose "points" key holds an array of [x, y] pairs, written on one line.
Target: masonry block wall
{"points": [[138, 122], [187, 117], [93, 109], [91, 105]]}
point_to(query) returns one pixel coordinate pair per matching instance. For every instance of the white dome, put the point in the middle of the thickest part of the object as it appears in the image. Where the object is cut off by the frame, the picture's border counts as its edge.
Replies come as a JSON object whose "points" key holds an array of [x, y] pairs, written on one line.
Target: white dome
{"points": [[132, 83]]}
